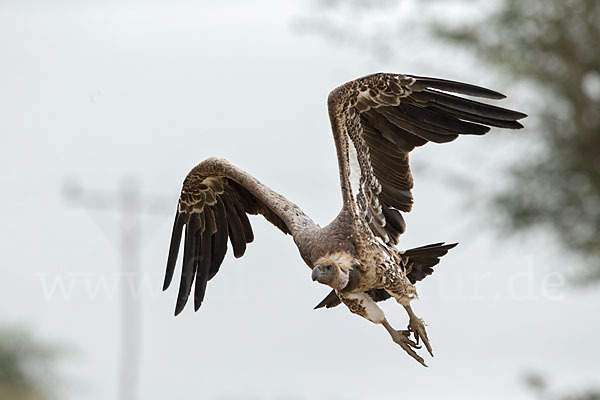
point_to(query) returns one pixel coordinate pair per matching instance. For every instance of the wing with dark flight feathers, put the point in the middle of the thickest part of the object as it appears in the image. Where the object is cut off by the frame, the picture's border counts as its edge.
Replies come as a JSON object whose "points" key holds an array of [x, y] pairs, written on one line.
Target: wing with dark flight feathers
{"points": [[378, 119], [213, 209]]}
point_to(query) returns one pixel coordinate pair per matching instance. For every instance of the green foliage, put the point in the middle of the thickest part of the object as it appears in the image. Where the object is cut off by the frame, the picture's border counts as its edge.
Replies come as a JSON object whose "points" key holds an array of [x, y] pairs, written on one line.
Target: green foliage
{"points": [[25, 367], [553, 45]]}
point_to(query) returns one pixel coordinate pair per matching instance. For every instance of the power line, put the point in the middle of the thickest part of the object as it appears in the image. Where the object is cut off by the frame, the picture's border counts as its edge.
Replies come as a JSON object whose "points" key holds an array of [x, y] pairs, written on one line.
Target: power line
{"points": [[131, 204]]}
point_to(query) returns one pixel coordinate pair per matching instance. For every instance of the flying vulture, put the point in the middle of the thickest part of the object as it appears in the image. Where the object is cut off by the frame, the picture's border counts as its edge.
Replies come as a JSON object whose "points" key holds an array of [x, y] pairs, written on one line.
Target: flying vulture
{"points": [[377, 120]]}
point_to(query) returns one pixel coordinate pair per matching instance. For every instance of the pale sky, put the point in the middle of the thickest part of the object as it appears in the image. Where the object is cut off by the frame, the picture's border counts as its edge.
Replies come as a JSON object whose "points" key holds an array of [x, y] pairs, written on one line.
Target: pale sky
{"points": [[102, 91]]}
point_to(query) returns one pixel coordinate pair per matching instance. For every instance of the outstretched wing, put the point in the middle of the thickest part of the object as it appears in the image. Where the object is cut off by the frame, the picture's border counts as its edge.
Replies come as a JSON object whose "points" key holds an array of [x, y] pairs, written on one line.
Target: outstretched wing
{"points": [[378, 119], [215, 200]]}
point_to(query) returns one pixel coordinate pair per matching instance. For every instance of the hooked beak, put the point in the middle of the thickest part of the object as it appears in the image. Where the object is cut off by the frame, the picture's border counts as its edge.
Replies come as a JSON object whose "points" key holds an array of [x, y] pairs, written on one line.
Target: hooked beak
{"points": [[317, 272]]}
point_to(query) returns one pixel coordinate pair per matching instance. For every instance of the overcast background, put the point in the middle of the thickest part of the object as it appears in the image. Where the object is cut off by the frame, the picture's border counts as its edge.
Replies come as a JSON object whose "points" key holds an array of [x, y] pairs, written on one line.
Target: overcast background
{"points": [[101, 92]]}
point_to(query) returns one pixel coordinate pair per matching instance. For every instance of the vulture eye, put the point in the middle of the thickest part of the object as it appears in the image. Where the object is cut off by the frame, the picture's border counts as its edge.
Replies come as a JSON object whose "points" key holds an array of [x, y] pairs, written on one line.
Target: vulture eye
{"points": [[328, 267]]}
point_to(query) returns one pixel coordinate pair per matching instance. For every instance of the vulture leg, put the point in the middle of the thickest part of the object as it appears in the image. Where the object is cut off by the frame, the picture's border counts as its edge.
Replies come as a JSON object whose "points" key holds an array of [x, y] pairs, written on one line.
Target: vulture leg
{"points": [[363, 305], [402, 338], [417, 327]]}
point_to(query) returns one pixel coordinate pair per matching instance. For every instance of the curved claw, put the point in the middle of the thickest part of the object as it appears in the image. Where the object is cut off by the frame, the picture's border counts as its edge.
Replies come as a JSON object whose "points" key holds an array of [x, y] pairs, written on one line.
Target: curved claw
{"points": [[402, 338], [408, 346], [413, 344], [417, 327]]}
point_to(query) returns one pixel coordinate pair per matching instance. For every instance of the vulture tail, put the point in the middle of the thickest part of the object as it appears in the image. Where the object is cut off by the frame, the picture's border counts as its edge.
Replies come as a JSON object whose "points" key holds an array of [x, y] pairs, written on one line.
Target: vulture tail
{"points": [[421, 260]]}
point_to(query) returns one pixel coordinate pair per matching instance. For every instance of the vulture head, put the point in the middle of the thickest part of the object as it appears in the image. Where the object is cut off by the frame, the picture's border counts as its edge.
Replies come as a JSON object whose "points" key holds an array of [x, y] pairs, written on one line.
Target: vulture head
{"points": [[334, 270]]}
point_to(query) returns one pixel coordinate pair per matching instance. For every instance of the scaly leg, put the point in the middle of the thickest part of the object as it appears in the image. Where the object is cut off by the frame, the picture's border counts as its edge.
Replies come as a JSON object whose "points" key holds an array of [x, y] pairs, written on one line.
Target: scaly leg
{"points": [[417, 327], [363, 305], [402, 338]]}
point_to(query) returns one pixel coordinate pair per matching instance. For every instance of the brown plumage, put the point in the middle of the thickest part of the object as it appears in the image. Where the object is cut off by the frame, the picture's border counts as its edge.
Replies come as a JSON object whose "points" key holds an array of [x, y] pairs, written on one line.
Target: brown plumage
{"points": [[376, 121]]}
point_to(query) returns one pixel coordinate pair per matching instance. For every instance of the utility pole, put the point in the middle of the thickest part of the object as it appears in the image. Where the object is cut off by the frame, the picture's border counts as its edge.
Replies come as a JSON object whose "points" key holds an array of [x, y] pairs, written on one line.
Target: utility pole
{"points": [[131, 205]]}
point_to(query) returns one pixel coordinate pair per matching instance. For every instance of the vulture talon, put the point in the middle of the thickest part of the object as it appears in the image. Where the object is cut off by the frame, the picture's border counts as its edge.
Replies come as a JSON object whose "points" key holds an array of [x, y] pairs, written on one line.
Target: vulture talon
{"points": [[408, 346], [417, 327], [402, 338]]}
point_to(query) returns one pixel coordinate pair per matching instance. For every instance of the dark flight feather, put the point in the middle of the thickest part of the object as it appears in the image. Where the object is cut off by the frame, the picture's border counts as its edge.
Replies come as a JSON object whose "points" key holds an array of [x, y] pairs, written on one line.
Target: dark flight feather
{"points": [[394, 218], [219, 243], [421, 260], [189, 263], [174, 248], [467, 106], [434, 118], [332, 300], [203, 269], [475, 118], [236, 231], [456, 87], [404, 141], [413, 127], [241, 212], [379, 294]]}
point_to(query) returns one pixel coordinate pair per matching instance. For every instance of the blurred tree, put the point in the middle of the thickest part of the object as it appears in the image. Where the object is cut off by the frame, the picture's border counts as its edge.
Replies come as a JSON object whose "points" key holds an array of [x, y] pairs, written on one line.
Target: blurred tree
{"points": [[585, 396], [25, 367], [553, 44], [539, 386]]}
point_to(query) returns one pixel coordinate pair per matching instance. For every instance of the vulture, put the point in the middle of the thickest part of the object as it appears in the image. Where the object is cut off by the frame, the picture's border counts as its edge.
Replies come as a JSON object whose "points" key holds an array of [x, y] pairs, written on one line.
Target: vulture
{"points": [[377, 120]]}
